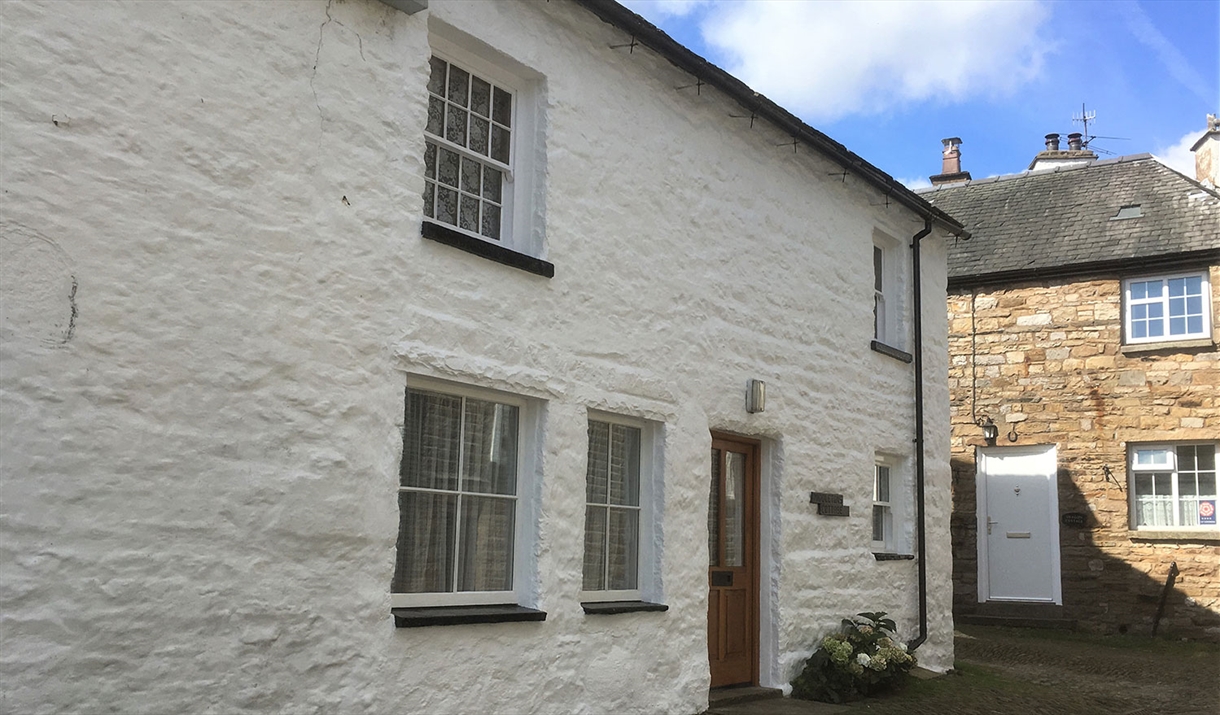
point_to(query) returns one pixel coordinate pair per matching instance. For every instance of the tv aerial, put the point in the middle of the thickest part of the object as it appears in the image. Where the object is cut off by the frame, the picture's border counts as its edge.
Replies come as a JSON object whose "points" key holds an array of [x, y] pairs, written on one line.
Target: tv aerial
{"points": [[1084, 118]]}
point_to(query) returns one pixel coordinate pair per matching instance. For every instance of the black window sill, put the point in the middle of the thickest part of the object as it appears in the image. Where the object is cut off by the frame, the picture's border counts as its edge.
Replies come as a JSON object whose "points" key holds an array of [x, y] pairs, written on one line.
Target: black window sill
{"points": [[609, 608], [895, 353], [491, 251], [886, 556], [463, 615]]}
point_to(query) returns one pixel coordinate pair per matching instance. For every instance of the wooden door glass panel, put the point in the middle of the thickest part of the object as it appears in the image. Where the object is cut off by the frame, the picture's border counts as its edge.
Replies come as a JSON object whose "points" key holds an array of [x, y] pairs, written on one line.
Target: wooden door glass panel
{"points": [[713, 513], [734, 509]]}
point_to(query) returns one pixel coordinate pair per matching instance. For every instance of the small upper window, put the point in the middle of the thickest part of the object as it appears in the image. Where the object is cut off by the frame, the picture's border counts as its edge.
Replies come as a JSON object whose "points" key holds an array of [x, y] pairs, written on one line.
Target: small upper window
{"points": [[468, 151], [883, 512], [1173, 486], [1167, 308], [878, 294]]}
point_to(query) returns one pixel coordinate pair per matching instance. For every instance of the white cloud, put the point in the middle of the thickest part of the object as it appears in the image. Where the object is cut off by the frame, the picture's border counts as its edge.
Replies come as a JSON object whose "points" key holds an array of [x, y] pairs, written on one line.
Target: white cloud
{"points": [[825, 60], [658, 9], [919, 182], [1174, 62], [1178, 156]]}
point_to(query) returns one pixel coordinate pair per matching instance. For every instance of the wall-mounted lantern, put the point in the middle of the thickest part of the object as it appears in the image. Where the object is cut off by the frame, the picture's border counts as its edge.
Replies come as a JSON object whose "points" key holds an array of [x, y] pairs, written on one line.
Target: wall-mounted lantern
{"points": [[756, 396], [990, 431]]}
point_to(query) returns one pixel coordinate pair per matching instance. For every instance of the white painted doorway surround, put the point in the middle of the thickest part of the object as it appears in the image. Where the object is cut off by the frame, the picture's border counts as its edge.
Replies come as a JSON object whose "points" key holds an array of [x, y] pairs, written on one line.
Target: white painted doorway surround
{"points": [[1018, 525]]}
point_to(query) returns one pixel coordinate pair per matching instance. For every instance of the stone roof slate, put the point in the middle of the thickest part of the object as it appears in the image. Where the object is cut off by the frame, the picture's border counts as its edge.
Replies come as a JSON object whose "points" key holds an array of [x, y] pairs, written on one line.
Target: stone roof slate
{"points": [[1054, 219]]}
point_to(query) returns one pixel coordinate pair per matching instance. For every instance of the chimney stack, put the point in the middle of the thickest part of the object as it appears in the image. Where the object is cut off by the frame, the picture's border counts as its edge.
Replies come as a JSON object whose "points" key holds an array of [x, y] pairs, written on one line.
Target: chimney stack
{"points": [[1052, 157], [951, 164], [1075, 141], [1052, 142], [1207, 154]]}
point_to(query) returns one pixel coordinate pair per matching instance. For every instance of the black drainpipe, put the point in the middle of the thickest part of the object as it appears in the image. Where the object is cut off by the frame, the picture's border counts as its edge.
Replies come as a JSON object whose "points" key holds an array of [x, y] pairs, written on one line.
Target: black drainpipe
{"points": [[920, 528]]}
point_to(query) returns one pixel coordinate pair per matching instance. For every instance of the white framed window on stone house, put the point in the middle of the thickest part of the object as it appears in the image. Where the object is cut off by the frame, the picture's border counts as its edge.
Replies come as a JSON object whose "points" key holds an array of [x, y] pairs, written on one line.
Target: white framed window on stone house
{"points": [[1173, 485], [887, 296], [479, 156], [464, 519], [883, 508], [619, 510], [1167, 308]]}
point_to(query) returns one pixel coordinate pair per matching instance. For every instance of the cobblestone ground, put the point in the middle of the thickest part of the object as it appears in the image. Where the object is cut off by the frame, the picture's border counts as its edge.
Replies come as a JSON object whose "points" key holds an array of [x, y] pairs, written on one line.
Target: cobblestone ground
{"points": [[1024, 672]]}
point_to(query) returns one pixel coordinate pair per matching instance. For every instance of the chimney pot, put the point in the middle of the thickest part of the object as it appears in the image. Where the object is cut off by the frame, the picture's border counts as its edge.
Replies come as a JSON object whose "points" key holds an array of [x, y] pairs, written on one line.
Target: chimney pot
{"points": [[951, 158], [1052, 142], [1075, 141]]}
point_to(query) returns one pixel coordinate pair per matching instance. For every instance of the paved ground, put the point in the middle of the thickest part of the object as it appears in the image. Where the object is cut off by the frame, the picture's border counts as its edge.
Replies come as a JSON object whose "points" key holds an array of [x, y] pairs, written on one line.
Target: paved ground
{"points": [[1003, 671]]}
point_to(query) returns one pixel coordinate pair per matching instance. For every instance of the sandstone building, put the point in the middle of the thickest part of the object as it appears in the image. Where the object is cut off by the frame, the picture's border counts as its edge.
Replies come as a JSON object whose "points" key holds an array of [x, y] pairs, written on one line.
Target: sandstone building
{"points": [[1085, 384]]}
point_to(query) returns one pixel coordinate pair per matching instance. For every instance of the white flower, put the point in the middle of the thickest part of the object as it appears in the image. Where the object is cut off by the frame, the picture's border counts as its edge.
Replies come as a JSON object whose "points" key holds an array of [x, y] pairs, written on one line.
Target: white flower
{"points": [[863, 659]]}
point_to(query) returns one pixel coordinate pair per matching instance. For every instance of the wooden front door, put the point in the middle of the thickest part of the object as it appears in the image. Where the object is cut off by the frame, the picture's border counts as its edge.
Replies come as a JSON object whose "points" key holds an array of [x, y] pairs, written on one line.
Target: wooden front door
{"points": [[732, 610]]}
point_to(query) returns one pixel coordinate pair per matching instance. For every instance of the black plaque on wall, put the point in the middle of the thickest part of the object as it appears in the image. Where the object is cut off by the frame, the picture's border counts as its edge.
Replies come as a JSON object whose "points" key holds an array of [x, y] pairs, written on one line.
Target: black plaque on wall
{"points": [[1074, 519]]}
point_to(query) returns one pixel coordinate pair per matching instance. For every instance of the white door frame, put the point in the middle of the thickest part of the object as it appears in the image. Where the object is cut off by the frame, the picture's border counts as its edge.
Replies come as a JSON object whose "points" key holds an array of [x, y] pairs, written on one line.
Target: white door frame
{"points": [[980, 509]]}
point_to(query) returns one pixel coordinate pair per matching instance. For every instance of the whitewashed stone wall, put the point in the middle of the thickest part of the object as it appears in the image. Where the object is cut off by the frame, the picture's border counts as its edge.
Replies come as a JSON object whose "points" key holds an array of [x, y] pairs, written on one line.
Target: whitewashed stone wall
{"points": [[214, 288]]}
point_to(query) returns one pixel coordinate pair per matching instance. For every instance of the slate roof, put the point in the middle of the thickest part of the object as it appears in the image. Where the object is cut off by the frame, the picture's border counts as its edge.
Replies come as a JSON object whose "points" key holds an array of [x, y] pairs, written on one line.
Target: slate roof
{"points": [[1058, 222]]}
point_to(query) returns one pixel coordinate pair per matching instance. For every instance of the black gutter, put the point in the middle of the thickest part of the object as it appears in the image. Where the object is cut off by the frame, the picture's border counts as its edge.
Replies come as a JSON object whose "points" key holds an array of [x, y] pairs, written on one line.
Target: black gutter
{"points": [[1188, 259], [645, 33], [921, 524]]}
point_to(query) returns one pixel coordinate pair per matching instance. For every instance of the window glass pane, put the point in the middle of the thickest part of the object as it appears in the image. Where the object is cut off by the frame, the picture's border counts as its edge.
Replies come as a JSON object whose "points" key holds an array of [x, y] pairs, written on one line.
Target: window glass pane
{"points": [[1143, 484], [1187, 485], [491, 221], [1177, 326], [1152, 457], [502, 106], [1162, 484], [430, 441], [1186, 458], [429, 199], [499, 144], [430, 160], [446, 205], [459, 86], [734, 508], [478, 135], [486, 544], [713, 513], [1156, 311], [436, 116], [447, 167], [490, 443], [491, 183], [598, 470], [878, 523], [624, 465], [595, 549], [1207, 458], [471, 178], [1139, 329], [455, 125], [882, 488], [877, 268], [1207, 485], [468, 217], [1139, 291], [1154, 511], [436, 81], [424, 562], [480, 97], [622, 548]]}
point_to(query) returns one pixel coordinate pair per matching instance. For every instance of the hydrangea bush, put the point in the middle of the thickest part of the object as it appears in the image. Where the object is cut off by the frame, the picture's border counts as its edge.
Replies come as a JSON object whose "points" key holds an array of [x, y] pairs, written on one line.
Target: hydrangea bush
{"points": [[864, 659]]}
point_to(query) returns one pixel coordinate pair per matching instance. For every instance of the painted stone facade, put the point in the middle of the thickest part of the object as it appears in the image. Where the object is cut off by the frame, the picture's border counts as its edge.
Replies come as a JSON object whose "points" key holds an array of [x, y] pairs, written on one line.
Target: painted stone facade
{"points": [[215, 293], [1045, 360]]}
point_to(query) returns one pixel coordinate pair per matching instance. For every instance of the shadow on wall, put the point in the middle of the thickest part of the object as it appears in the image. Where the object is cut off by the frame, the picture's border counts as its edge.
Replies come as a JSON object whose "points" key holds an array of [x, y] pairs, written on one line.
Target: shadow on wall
{"points": [[1111, 583]]}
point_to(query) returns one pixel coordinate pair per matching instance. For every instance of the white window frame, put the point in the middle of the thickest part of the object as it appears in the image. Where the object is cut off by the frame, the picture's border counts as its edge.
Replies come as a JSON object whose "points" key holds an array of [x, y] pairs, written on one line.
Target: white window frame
{"points": [[1170, 466], [518, 231], [646, 552], [887, 300], [1164, 302], [525, 513], [887, 542]]}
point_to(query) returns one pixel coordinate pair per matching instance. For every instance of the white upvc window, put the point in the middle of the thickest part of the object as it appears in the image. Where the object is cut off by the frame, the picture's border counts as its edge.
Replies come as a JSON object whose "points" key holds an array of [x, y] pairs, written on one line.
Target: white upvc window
{"points": [[883, 511], [618, 509], [879, 314], [460, 481], [887, 291], [1167, 308], [1173, 486]]}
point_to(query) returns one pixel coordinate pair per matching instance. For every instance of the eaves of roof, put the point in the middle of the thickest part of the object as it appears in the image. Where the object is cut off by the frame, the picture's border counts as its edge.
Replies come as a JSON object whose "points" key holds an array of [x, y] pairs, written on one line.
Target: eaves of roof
{"points": [[652, 37], [1113, 267]]}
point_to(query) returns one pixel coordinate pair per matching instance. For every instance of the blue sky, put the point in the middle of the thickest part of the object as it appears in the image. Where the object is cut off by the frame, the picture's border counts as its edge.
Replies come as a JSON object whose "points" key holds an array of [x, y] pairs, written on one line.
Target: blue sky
{"points": [[890, 78]]}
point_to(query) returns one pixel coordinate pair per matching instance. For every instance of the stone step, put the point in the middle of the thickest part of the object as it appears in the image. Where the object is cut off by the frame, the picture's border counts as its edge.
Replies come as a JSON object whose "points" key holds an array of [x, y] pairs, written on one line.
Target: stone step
{"points": [[1018, 609], [975, 619], [734, 694]]}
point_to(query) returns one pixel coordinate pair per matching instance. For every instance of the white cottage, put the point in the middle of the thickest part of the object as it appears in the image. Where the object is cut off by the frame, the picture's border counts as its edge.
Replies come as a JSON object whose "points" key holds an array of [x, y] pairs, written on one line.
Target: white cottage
{"points": [[402, 356]]}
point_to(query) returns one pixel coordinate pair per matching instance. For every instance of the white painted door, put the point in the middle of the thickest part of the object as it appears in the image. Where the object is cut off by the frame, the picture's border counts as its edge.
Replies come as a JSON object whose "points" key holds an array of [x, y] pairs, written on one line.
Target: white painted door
{"points": [[1018, 524]]}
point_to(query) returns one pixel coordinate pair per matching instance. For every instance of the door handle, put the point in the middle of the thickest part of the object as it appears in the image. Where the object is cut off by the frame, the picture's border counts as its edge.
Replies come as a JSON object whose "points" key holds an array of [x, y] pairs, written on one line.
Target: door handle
{"points": [[990, 524]]}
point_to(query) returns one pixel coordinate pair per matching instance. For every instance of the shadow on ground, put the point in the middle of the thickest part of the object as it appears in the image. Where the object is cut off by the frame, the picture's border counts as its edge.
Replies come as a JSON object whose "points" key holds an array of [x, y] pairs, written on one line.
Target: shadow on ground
{"points": [[1008, 671]]}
